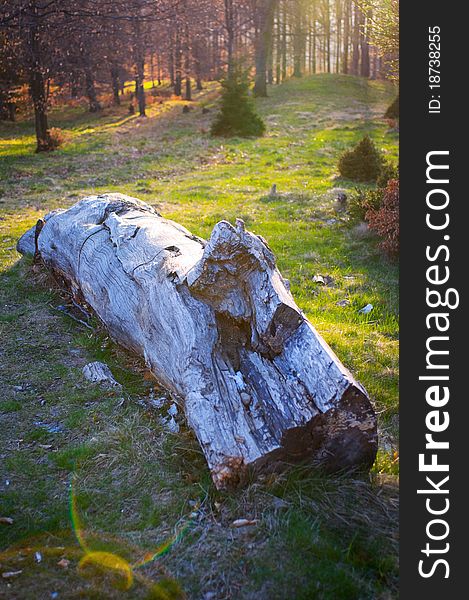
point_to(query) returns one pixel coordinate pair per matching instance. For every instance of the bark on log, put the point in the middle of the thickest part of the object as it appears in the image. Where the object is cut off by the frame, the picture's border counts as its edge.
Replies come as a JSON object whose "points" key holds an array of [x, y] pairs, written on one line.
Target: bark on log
{"points": [[217, 325]]}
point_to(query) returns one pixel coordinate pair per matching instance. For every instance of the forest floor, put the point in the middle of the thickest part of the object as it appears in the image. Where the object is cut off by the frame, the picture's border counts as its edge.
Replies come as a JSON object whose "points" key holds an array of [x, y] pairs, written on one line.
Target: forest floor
{"points": [[90, 476]]}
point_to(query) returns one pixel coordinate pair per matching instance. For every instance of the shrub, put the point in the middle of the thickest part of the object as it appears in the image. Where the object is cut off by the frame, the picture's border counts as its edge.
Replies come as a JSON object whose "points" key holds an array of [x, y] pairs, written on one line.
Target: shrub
{"points": [[362, 201], [388, 171], [385, 220], [392, 111], [237, 116], [55, 138], [362, 163]]}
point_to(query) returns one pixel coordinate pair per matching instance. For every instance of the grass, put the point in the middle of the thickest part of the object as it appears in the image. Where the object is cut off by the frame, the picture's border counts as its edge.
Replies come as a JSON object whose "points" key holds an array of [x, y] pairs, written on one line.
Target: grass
{"points": [[137, 491]]}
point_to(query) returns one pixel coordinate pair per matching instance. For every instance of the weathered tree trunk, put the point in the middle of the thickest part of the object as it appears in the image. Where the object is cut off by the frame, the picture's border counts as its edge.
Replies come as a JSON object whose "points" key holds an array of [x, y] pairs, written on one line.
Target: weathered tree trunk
{"points": [[217, 326]]}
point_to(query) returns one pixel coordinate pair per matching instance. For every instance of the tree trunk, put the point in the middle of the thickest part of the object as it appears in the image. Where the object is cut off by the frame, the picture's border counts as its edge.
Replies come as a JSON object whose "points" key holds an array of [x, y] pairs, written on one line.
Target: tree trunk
{"points": [[284, 41], [365, 47], [327, 25], [219, 328], [139, 68], [230, 35], [115, 85], [90, 89], [187, 63], [338, 20], [270, 60], [7, 104], [265, 21], [278, 45], [356, 40], [152, 69], [188, 89], [314, 36], [158, 63], [37, 88], [178, 65], [38, 96], [298, 41], [346, 37], [171, 58], [74, 85]]}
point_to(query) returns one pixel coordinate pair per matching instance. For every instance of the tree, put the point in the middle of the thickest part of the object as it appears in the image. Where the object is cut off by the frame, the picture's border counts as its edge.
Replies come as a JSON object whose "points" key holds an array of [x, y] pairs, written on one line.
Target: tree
{"points": [[365, 43], [10, 77], [361, 163], [384, 33], [237, 115], [299, 38], [89, 46]]}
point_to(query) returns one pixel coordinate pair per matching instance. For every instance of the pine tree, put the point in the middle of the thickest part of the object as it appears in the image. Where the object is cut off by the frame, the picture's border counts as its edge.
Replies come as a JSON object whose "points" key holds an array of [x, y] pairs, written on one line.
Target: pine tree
{"points": [[362, 163], [237, 116]]}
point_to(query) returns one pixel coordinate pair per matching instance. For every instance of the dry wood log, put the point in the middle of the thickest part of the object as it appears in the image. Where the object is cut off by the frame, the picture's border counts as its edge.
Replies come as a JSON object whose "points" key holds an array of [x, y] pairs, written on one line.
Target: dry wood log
{"points": [[217, 325]]}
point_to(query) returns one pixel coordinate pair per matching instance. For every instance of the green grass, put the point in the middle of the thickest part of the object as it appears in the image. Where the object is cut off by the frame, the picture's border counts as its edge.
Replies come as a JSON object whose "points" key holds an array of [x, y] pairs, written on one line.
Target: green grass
{"points": [[135, 486]]}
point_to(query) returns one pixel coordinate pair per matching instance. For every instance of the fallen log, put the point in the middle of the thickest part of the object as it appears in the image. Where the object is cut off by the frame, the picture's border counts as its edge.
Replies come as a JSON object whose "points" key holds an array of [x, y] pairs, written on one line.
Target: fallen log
{"points": [[217, 325]]}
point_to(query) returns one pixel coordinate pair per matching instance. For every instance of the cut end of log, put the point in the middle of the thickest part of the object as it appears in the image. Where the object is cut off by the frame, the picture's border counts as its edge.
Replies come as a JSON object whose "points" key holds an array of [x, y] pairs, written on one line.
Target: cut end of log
{"points": [[343, 439], [217, 325]]}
